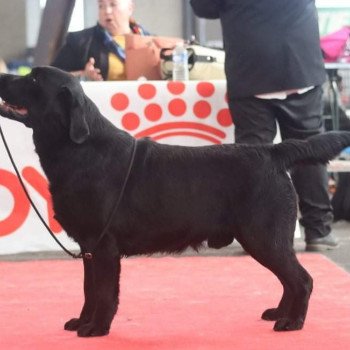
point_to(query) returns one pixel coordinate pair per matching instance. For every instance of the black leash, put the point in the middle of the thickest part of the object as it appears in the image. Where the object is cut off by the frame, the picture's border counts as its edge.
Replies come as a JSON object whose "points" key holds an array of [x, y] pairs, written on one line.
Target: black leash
{"points": [[75, 256], [87, 255]]}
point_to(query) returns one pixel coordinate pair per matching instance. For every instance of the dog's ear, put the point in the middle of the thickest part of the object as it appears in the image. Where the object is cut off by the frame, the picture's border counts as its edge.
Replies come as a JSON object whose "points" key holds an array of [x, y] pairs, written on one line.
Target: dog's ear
{"points": [[78, 127]]}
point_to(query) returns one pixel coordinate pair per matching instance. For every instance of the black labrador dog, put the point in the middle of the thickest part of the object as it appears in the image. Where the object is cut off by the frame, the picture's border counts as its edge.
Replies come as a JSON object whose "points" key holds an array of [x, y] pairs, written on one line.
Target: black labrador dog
{"points": [[119, 197]]}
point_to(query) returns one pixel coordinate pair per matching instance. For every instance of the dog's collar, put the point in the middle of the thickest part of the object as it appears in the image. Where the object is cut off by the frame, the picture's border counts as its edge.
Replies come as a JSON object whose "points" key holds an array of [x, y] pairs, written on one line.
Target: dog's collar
{"points": [[88, 255]]}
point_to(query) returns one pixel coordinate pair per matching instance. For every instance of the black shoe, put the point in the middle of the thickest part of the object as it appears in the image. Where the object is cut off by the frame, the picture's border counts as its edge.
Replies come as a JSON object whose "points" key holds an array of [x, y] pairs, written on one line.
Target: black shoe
{"points": [[321, 244]]}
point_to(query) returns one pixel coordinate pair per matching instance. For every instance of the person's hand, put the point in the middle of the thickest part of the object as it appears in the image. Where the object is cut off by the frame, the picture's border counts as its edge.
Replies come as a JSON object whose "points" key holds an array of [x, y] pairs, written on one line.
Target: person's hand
{"points": [[90, 72]]}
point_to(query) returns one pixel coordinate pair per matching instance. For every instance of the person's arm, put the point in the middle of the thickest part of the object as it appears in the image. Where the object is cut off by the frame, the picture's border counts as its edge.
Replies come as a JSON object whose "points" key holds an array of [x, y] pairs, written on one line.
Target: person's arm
{"points": [[209, 9]]}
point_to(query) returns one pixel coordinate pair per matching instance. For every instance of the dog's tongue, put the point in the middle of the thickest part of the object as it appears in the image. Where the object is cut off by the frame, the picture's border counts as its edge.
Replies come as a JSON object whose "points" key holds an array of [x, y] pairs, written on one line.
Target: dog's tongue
{"points": [[21, 111], [8, 107]]}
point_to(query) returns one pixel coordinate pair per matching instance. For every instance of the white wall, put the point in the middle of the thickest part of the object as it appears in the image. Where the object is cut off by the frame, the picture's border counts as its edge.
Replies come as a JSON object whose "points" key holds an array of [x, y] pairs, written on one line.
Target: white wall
{"points": [[33, 11], [22, 18], [161, 17], [12, 28]]}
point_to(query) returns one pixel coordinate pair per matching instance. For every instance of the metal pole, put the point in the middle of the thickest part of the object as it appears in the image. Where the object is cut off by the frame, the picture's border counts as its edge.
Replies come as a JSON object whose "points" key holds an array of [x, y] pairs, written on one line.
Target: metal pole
{"points": [[53, 28]]}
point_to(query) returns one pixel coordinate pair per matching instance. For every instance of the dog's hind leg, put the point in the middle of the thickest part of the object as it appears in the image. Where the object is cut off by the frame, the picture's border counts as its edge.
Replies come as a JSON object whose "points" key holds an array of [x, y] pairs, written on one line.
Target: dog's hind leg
{"points": [[297, 287], [300, 285], [90, 299], [283, 307]]}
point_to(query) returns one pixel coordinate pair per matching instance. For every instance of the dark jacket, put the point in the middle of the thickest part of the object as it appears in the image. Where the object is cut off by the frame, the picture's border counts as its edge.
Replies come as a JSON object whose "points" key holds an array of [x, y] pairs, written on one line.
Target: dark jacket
{"points": [[79, 47], [270, 45]]}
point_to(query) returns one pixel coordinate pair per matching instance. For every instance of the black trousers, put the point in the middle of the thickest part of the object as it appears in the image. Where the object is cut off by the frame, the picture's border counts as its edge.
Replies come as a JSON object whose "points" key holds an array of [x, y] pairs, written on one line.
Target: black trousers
{"points": [[298, 116]]}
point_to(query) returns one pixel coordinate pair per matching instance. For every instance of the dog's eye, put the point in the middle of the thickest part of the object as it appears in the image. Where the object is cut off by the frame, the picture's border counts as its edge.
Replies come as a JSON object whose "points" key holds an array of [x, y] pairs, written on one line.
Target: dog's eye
{"points": [[34, 80]]}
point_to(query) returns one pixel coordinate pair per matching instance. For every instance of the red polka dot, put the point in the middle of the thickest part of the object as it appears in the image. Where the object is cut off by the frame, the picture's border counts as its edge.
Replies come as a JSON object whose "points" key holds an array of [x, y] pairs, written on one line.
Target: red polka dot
{"points": [[176, 87], [147, 91], [153, 112], [120, 101], [177, 107], [205, 89], [202, 109], [224, 117], [130, 121]]}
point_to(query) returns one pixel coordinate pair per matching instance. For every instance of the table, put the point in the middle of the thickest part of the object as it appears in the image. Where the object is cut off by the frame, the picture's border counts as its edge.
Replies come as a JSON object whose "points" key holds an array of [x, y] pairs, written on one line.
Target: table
{"points": [[193, 113]]}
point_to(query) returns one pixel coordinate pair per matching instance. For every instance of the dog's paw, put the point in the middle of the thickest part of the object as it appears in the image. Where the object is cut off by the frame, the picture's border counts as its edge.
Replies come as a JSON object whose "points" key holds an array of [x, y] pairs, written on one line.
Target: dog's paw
{"points": [[73, 324], [272, 314], [91, 330], [286, 324]]}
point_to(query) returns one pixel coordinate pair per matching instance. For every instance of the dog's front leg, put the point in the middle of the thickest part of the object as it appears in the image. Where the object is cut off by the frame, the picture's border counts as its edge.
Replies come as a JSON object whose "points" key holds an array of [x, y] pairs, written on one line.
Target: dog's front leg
{"points": [[106, 272], [90, 299]]}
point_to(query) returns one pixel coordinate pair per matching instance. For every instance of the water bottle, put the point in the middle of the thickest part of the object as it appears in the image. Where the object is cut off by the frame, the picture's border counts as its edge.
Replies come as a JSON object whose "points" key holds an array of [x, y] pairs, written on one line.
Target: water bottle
{"points": [[180, 63]]}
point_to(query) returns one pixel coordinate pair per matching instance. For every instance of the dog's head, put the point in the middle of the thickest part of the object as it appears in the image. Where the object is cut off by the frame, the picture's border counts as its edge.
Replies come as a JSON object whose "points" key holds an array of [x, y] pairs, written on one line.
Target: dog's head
{"points": [[47, 97]]}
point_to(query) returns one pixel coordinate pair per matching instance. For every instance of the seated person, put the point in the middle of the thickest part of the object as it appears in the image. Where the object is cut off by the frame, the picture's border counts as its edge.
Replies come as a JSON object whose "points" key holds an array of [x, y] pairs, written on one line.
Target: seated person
{"points": [[98, 53]]}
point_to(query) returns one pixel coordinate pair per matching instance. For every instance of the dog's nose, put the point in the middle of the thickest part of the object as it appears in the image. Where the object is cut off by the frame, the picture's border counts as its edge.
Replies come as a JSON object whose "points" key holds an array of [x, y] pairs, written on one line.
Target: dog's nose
{"points": [[4, 78], [6, 75]]}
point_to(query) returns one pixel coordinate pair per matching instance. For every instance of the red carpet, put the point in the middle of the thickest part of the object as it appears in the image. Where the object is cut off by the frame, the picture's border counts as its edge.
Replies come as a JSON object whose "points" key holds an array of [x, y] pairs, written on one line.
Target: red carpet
{"points": [[172, 303]]}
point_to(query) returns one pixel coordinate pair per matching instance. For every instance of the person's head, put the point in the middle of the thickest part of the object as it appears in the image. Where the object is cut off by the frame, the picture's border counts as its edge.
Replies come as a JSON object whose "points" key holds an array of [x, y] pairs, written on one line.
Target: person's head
{"points": [[114, 15]]}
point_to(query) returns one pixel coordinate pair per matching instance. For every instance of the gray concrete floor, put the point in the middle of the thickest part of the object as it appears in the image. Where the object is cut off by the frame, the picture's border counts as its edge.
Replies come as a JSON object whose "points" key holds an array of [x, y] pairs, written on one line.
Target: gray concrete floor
{"points": [[341, 255]]}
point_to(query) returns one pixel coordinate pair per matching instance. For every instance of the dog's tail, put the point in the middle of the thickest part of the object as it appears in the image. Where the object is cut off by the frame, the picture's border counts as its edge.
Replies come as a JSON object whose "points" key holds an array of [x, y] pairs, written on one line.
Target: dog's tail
{"points": [[316, 149]]}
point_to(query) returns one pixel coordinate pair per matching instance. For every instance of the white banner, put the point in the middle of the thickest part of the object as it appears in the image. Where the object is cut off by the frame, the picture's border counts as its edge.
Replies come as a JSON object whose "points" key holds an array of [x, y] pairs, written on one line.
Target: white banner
{"points": [[192, 113]]}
